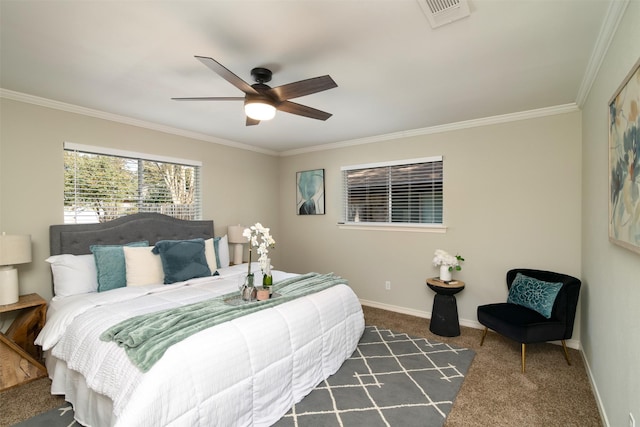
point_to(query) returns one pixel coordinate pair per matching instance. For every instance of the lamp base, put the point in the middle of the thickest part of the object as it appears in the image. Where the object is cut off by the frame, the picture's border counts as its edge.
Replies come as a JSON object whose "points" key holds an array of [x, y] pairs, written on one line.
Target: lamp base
{"points": [[9, 291], [238, 249]]}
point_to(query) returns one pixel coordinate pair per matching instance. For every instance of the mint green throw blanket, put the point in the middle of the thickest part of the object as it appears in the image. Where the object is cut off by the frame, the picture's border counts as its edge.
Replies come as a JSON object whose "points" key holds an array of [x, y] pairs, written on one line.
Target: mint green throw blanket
{"points": [[145, 338]]}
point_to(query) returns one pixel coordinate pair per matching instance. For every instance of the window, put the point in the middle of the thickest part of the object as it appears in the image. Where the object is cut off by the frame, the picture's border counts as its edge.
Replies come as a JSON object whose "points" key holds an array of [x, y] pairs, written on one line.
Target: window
{"points": [[102, 184], [405, 192]]}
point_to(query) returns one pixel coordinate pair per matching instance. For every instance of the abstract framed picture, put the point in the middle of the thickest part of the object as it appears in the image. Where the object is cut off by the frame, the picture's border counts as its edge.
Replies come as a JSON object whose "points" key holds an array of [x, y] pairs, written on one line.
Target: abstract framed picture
{"points": [[624, 162], [310, 192]]}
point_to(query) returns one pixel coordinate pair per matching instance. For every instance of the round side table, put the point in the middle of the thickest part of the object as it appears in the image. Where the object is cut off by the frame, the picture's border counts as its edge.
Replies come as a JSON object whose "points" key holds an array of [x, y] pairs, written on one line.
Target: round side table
{"points": [[444, 316]]}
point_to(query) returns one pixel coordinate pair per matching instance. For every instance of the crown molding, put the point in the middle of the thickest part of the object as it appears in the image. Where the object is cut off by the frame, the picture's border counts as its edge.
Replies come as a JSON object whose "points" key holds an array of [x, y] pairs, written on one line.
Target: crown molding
{"points": [[615, 12], [503, 118], [70, 108]]}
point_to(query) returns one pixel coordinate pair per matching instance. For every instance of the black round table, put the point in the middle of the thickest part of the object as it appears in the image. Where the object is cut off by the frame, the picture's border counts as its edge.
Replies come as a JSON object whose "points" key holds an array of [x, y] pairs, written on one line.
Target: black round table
{"points": [[444, 316]]}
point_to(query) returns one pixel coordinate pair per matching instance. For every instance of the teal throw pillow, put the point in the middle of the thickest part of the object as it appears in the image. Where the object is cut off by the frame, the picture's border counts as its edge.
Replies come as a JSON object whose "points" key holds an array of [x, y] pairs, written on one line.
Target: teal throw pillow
{"points": [[535, 294], [110, 265], [182, 259]]}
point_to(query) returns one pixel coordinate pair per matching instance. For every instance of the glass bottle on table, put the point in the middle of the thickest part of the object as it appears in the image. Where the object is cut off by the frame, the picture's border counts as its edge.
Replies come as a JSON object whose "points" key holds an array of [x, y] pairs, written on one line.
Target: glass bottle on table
{"points": [[247, 289], [267, 278]]}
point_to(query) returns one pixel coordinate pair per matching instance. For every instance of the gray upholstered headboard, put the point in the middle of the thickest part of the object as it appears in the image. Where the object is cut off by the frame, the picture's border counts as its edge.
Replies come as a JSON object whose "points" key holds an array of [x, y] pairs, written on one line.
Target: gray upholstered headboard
{"points": [[76, 238]]}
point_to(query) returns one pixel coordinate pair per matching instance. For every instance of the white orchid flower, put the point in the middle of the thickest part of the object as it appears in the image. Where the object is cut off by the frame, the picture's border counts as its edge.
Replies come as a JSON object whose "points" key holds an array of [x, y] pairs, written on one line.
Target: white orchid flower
{"points": [[259, 237]]}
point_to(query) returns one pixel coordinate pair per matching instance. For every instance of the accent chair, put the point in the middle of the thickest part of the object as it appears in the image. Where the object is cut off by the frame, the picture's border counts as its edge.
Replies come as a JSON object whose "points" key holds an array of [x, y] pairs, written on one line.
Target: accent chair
{"points": [[541, 307]]}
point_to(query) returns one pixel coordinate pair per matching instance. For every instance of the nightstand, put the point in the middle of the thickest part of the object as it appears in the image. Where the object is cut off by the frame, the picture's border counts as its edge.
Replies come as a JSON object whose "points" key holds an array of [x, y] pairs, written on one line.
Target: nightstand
{"points": [[21, 358], [444, 316]]}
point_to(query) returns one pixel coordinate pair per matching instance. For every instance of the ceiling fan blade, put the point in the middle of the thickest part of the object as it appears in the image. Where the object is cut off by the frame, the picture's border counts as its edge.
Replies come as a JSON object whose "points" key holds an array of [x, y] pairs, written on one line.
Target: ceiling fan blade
{"points": [[303, 87], [252, 122], [223, 72], [211, 98], [303, 110]]}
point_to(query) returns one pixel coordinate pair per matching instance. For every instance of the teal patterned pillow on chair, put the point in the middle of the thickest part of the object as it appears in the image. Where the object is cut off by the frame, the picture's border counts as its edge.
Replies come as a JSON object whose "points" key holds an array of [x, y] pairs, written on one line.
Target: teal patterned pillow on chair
{"points": [[535, 294]]}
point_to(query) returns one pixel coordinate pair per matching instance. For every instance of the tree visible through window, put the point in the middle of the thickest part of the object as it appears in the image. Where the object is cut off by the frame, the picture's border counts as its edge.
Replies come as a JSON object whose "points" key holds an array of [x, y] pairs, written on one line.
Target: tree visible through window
{"points": [[102, 187], [408, 191]]}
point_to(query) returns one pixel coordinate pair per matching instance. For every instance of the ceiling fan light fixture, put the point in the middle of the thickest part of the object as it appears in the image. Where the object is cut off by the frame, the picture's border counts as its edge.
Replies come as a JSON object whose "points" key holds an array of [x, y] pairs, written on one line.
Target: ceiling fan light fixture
{"points": [[260, 100], [259, 109]]}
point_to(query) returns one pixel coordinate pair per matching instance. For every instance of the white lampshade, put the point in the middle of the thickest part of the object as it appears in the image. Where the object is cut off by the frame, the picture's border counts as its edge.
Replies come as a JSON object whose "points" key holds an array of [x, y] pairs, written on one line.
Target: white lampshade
{"points": [[14, 249], [234, 234], [259, 110]]}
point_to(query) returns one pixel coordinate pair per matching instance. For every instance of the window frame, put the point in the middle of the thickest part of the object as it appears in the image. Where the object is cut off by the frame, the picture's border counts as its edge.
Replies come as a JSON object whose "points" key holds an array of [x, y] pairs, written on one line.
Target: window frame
{"points": [[388, 225], [132, 155]]}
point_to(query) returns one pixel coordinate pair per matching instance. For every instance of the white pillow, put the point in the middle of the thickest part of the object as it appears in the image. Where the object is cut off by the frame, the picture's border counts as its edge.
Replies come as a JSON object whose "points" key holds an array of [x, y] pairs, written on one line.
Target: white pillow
{"points": [[73, 274], [210, 255], [223, 251], [143, 266]]}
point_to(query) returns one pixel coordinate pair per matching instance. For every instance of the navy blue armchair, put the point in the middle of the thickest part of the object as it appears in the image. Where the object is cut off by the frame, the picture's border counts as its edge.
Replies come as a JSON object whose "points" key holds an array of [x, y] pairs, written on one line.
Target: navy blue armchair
{"points": [[525, 325]]}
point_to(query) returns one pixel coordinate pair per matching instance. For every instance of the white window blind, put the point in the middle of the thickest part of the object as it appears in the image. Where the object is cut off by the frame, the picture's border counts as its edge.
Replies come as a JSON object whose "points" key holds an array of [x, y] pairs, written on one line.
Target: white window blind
{"points": [[408, 191], [103, 184]]}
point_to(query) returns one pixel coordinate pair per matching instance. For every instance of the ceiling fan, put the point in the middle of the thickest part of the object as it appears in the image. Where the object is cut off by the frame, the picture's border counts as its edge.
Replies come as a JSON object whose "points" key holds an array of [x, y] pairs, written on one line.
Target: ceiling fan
{"points": [[261, 101]]}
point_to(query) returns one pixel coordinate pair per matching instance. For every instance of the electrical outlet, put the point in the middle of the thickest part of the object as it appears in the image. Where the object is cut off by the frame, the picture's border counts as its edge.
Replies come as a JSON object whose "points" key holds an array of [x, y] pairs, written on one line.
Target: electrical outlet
{"points": [[632, 421], [387, 285]]}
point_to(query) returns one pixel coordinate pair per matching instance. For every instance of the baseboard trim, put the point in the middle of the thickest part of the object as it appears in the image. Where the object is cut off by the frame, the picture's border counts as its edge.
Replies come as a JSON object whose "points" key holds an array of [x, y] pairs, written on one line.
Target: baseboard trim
{"points": [[571, 343], [396, 309], [594, 388]]}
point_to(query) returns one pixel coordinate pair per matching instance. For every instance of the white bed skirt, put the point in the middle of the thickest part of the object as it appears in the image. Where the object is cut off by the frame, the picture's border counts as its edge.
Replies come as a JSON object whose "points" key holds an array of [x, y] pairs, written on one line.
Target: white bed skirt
{"points": [[91, 408]]}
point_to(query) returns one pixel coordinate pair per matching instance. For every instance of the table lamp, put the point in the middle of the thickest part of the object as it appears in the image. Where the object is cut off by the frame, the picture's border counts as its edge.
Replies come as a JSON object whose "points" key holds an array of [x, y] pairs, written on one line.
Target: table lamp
{"points": [[14, 249], [234, 232]]}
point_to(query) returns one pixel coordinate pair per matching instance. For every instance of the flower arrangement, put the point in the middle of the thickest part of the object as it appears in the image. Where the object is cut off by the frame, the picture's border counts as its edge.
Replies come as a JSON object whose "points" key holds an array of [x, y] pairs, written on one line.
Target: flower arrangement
{"points": [[259, 236], [443, 258]]}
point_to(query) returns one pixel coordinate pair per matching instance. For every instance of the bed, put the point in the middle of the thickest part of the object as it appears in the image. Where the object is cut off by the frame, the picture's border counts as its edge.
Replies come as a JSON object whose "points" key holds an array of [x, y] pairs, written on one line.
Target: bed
{"points": [[246, 371]]}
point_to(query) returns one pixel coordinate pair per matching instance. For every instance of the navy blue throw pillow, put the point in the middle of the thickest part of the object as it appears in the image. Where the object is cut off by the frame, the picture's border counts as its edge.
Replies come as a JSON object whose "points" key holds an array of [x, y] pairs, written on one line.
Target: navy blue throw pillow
{"points": [[182, 259]]}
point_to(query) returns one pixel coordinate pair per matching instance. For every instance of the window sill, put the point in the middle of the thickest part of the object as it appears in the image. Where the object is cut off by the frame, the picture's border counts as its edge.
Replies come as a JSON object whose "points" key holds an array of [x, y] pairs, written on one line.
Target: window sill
{"points": [[416, 228]]}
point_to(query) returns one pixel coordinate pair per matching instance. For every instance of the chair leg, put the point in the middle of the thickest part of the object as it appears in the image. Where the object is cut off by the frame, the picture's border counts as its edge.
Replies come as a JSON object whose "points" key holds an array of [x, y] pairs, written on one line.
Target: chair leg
{"points": [[566, 352], [524, 352], [484, 334]]}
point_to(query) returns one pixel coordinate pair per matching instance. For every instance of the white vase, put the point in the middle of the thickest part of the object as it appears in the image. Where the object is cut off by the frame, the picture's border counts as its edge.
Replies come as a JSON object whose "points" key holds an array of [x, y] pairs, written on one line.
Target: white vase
{"points": [[445, 274]]}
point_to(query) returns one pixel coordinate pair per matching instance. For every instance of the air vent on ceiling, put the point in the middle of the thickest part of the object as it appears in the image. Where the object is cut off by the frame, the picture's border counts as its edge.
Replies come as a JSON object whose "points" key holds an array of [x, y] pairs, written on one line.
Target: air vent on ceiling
{"points": [[441, 12]]}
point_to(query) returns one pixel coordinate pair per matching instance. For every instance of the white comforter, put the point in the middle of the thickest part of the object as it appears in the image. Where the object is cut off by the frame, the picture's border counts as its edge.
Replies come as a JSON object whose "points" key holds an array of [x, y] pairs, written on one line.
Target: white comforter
{"points": [[248, 371]]}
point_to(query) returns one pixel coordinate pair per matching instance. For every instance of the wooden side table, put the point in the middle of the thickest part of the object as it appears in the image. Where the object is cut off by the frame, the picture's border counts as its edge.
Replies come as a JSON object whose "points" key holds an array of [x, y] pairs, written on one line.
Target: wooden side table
{"points": [[21, 360], [444, 316]]}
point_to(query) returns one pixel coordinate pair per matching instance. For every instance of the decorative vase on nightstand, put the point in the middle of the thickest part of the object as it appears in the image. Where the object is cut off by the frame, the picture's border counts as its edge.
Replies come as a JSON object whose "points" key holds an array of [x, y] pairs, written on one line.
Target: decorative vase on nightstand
{"points": [[445, 274], [447, 264]]}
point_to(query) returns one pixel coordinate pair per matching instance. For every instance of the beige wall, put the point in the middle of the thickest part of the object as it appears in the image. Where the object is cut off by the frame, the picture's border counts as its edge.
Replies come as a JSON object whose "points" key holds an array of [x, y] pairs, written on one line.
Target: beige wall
{"points": [[611, 274], [512, 199], [237, 184]]}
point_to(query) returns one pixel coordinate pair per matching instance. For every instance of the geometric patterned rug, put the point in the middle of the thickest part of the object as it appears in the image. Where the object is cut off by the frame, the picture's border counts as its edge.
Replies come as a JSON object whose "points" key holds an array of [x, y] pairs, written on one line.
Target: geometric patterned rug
{"points": [[60, 417], [391, 379]]}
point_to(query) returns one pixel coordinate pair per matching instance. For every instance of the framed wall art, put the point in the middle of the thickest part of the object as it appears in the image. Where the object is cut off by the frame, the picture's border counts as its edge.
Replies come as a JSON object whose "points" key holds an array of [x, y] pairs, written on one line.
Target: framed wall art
{"points": [[624, 162], [310, 192]]}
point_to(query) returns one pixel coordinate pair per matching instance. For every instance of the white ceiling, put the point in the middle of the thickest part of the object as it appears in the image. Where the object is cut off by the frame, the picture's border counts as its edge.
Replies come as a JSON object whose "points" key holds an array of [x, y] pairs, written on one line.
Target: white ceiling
{"points": [[394, 72]]}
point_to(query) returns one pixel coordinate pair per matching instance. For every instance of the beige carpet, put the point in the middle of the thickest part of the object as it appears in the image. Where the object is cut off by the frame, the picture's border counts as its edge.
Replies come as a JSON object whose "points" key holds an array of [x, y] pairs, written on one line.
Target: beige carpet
{"points": [[494, 393], [27, 400]]}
